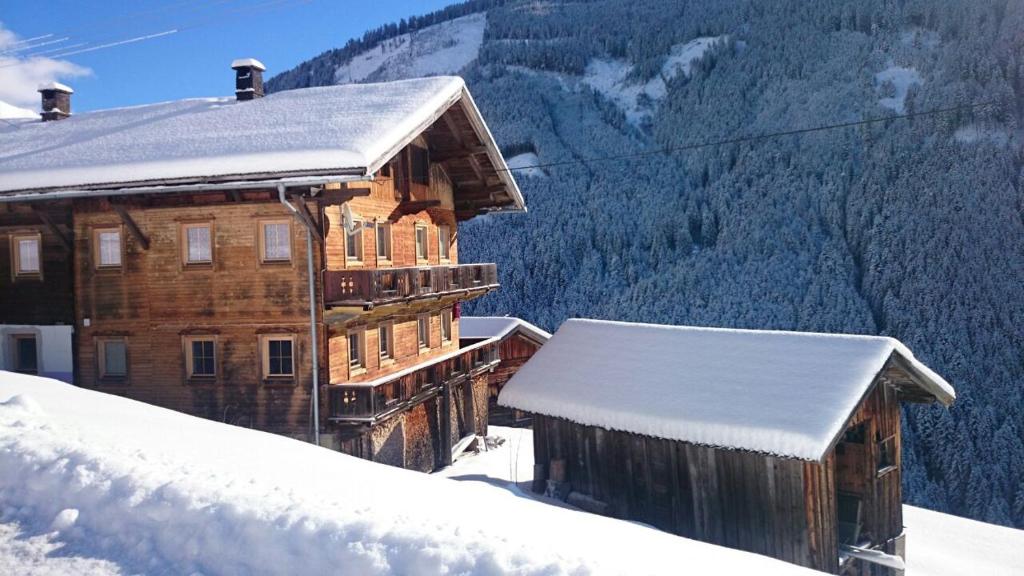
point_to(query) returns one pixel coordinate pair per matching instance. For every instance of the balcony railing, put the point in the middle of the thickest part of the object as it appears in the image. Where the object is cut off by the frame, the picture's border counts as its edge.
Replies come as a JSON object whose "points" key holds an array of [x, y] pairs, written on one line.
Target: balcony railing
{"points": [[377, 286], [367, 402]]}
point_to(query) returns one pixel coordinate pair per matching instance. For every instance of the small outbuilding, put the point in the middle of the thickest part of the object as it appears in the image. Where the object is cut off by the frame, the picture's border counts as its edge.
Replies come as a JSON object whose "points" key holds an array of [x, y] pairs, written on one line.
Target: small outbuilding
{"points": [[785, 444], [518, 341]]}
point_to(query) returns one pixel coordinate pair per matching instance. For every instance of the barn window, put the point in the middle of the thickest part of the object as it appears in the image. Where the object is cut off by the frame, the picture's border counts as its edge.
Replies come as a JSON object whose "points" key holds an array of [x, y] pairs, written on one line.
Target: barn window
{"points": [[27, 255], [855, 434], [107, 247], [383, 233], [421, 242], [420, 165], [446, 326], [886, 455], [849, 518], [113, 359], [275, 241], [197, 247], [423, 332], [278, 356], [356, 351], [444, 242], [200, 357], [385, 341], [354, 244]]}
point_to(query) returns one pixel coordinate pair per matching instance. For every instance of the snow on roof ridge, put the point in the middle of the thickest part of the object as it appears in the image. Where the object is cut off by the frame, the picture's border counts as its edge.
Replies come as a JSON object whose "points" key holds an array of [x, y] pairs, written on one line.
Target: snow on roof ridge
{"points": [[510, 324], [784, 393], [248, 62], [55, 86]]}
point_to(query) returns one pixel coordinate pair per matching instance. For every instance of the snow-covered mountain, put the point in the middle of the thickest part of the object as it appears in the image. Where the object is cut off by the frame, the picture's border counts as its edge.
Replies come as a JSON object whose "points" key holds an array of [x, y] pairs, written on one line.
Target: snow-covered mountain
{"points": [[909, 228]]}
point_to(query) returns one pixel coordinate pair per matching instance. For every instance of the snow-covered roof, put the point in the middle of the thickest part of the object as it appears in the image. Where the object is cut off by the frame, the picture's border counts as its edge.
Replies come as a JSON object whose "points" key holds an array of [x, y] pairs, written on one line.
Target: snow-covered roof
{"points": [[337, 130], [784, 393], [56, 86], [160, 492], [474, 327], [248, 62]]}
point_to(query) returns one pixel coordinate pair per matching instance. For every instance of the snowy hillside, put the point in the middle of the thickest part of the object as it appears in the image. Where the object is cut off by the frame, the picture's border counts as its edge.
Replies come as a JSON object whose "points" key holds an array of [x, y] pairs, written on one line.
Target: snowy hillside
{"points": [[116, 485], [910, 229]]}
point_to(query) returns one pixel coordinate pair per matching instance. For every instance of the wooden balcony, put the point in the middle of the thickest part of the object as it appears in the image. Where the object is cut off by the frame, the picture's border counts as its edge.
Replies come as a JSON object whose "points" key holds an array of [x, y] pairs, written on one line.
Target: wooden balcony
{"points": [[368, 402], [379, 286]]}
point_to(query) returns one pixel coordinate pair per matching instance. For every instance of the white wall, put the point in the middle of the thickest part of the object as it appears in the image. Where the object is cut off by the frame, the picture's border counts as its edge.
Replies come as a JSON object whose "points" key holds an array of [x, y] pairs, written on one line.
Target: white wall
{"points": [[54, 342]]}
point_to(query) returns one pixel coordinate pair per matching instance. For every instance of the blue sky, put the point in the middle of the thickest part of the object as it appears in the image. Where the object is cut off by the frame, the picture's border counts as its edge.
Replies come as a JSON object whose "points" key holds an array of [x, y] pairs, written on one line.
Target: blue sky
{"points": [[195, 60]]}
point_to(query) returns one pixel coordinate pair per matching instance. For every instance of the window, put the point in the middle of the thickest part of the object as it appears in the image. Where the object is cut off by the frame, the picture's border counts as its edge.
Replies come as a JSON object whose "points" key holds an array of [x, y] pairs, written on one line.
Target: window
{"points": [[446, 325], [107, 247], [420, 165], [113, 359], [201, 357], [423, 331], [421, 242], [279, 357], [383, 241], [354, 244], [198, 243], [444, 242], [886, 455], [26, 358], [276, 241], [27, 255], [355, 350], [385, 337]]}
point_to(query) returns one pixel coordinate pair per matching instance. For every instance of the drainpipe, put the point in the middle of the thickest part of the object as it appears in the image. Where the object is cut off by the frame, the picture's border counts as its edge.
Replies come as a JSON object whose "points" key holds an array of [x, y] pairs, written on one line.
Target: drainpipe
{"points": [[312, 311]]}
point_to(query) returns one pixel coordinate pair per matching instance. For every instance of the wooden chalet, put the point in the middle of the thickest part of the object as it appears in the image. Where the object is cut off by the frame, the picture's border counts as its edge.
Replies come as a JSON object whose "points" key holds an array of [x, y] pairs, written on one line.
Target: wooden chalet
{"points": [[287, 262], [781, 443], [518, 341]]}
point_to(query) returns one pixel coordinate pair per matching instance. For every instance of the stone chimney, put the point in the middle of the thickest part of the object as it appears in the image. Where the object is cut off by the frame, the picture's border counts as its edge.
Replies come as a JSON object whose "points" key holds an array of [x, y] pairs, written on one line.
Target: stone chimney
{"points": [[248, 78], [56, 101]]}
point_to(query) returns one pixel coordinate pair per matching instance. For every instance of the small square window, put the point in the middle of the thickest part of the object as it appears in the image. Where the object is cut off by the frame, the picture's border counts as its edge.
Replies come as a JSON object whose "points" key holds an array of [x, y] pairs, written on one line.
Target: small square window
{"points": [[113, 356], [383, 241], [444, 242], [198, 244], [354, 245], [421, 242], [201, 357], [446, 326], [107, 246], [275, 239], [279, 357], [423, 331], [27, 255]]}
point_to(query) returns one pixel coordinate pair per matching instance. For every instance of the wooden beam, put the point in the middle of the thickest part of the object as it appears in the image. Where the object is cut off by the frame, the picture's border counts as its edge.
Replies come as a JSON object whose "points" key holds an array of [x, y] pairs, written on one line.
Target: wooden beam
{"points": [[132, 226], [308, 217], [45, 218], [455, 153], [335, 197]]}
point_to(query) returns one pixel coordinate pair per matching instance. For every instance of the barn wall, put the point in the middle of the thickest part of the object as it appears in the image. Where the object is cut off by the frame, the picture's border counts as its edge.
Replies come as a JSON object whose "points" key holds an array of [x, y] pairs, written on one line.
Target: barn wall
{"points": [[514, 351], [773, 506], [43, 300]]}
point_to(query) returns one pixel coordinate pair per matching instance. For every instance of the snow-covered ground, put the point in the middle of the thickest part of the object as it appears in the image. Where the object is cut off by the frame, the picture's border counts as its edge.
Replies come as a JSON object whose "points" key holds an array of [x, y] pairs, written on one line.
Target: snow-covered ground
{"points": [[901, 80], [610, 77], [444, 48], [94, 483], [937, 544]]}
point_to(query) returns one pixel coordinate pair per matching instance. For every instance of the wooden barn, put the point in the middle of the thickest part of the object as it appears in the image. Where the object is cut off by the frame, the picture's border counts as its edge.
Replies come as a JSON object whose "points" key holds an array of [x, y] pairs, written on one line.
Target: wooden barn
{"points": [[287, 262], [781, 443], [518, 341]]}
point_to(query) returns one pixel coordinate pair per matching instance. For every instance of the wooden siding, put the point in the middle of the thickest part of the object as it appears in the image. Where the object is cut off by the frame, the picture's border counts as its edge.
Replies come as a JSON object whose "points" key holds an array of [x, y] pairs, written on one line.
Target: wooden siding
{"points": [[514, 351], [154, 300], [48, 299]]}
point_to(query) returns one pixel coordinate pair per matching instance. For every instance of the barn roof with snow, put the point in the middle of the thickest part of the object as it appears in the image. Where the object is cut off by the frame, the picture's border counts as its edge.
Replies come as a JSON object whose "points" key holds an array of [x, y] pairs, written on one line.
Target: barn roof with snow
{"points": [[483, 327], [789, 394], [348, 131]]}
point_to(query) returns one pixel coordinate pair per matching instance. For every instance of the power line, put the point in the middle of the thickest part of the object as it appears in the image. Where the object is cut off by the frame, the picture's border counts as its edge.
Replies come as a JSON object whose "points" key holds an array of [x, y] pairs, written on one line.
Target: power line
{"points": [[756, 137]]}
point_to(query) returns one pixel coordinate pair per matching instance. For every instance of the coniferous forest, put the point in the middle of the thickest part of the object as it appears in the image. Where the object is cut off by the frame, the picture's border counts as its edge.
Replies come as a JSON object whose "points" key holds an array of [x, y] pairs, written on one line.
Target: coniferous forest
{"points": [[910, 228]]}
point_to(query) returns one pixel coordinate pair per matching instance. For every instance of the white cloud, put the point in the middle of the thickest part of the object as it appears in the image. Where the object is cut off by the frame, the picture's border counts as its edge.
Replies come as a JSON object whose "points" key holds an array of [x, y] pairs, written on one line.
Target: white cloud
{"points": [[20, 77]]}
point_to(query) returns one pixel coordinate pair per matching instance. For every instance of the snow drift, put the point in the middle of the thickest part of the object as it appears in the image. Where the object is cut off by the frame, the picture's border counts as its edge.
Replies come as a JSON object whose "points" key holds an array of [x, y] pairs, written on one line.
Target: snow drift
{"points": [[161, 492]]}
